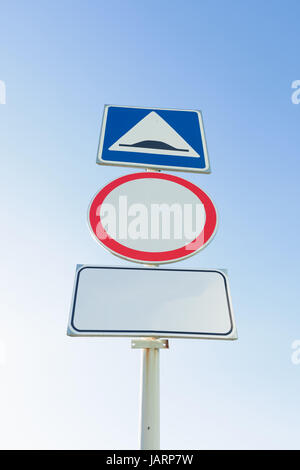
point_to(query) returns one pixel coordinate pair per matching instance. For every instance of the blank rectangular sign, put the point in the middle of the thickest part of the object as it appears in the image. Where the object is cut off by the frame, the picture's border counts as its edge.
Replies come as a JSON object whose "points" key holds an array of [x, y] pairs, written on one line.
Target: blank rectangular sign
{"points": [[160, 302]]}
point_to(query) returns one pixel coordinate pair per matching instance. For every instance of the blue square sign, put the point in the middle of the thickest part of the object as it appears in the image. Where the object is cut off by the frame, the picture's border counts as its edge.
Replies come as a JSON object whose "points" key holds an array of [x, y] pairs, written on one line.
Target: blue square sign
{"points": [[153, 138]]}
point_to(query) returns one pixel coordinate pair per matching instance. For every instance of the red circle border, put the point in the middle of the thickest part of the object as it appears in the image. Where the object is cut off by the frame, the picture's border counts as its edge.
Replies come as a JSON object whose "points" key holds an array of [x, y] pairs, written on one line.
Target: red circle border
{"points": [[155, 257]]}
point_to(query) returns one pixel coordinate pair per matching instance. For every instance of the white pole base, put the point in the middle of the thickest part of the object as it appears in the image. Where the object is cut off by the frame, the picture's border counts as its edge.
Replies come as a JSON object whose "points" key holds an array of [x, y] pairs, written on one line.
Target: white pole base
{"points": [[150, 393]]}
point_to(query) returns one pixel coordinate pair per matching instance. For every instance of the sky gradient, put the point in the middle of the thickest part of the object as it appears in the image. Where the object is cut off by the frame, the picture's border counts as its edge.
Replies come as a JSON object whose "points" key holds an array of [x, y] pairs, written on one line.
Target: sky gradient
{"points": [[61, 63]]}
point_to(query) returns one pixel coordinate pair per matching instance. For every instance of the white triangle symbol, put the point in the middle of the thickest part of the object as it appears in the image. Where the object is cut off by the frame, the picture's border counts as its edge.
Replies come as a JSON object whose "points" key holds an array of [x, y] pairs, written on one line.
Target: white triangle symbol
{"points": [[154, 135]]}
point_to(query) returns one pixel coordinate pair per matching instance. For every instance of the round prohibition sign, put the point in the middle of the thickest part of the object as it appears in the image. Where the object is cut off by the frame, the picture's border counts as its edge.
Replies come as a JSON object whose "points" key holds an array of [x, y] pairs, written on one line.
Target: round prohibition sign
{"points": [[166, 253]]}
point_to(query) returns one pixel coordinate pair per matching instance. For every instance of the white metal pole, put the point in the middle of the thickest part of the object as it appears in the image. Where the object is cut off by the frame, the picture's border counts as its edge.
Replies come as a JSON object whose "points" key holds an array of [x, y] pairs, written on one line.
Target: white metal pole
{"points": [[150, 392], [149, 412]]}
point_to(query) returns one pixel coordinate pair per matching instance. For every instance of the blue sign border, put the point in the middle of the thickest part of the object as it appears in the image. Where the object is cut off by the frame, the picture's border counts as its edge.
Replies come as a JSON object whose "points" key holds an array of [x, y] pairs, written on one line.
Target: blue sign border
{"points": [[117, 120]]}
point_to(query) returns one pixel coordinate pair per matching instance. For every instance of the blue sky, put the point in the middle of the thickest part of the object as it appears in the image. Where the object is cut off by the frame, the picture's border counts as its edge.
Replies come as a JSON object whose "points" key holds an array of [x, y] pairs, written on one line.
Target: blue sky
{"points": [[61, 62]]}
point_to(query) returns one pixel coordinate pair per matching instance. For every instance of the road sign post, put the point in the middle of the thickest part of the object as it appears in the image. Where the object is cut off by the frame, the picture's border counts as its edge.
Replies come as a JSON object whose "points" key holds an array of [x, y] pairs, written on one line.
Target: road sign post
{"points": [[152, 218], [185, 303], [149, 437]]}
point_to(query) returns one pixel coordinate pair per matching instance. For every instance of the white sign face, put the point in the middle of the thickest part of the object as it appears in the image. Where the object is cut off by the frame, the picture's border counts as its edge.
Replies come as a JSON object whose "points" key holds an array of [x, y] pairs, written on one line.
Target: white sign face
{"points": [[159, 302], [152, 218], [153, 135]]}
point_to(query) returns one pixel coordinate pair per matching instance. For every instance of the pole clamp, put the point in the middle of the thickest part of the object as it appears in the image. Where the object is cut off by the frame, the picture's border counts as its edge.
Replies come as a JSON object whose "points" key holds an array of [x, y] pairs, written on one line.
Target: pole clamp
{"points": [[150, 343]]}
